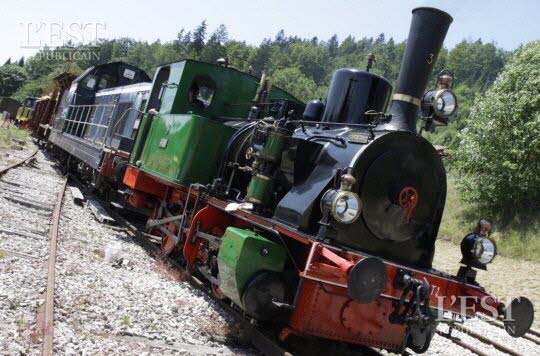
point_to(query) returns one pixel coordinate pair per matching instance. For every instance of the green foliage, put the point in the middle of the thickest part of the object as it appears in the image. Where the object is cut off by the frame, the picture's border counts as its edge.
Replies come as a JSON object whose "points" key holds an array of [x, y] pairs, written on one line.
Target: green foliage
{"points": [[215, 47], [499, 150], [199, 35], [310, 61], [475, 66], [43, 85], [517, 239], [12, 78], [295, 82]]}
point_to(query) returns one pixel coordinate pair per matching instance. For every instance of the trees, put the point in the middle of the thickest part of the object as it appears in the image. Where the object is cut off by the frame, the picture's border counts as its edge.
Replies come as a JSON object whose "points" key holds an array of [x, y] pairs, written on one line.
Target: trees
{"points": [[295, 82], [332, 46], [43, 85], [12, 78], [475, 63], [475, 66], [215, 47], [199, 35], [499, 150]]}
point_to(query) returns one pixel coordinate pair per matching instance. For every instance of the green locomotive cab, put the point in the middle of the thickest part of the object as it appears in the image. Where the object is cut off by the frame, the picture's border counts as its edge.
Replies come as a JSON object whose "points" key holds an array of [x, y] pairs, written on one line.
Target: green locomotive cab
{"points": [[193, 110]]}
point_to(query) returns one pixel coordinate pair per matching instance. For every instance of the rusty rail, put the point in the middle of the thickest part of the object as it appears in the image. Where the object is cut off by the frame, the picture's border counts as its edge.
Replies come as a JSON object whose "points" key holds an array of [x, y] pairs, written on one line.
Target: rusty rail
{"points": [[14, 165], [48, 322], [460, 328], [532, 335], [463, 344], [487, 340]]}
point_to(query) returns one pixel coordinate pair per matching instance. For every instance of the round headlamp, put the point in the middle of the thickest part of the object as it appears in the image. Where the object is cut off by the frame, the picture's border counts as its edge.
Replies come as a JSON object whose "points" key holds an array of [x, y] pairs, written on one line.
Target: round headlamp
{"points": [[444, 103], [439, 103], [484, 250], [344, 206], [478, 250]]}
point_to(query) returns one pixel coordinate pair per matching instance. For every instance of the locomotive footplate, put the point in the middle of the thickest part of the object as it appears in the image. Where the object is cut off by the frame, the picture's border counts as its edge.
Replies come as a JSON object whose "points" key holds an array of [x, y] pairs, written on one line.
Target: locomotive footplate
{"points": [[412, 309]]}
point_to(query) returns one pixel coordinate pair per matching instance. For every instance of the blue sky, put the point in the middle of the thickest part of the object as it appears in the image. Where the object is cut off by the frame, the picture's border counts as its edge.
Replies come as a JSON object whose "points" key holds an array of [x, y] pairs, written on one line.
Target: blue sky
{"points": [[508, 23]]}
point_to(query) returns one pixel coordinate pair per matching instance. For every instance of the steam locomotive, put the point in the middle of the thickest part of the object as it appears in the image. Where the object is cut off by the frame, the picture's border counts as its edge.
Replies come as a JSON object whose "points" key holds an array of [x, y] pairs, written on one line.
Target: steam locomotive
{"points": [[320, 218]]}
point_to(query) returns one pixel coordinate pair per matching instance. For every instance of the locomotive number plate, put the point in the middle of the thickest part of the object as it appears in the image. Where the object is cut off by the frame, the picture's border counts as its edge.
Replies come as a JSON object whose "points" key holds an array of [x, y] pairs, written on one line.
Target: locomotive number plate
{"points": [[356, 137]]}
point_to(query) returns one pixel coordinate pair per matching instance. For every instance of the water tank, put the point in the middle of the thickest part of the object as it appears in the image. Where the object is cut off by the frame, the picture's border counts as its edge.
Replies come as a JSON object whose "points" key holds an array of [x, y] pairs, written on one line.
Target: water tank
{"points": [[352, 93]]}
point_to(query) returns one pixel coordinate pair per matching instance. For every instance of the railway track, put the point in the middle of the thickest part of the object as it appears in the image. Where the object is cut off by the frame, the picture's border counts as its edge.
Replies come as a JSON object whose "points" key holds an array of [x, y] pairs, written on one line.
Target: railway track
{"points": [[463, 330], [29, 224], [19, 163], [262, 340], [48, 322], [267, 345]]}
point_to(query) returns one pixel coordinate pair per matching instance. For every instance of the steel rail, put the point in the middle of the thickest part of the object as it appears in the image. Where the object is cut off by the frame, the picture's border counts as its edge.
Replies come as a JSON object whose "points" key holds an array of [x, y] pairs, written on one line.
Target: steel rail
{"points": [[486, 340], [48, 322], [499, 322], [14, 165], [461, 343], [534, 332], [531, 335]]}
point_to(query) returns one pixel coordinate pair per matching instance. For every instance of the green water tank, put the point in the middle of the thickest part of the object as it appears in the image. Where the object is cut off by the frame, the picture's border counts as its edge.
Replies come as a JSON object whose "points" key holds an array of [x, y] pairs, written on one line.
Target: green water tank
{"points": [[242, 255]]}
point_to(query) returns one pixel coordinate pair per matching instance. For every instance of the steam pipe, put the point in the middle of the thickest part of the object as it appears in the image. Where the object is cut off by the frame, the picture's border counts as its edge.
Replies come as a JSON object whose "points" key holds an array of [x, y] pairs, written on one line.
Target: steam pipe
{"points": [[426, 36]]}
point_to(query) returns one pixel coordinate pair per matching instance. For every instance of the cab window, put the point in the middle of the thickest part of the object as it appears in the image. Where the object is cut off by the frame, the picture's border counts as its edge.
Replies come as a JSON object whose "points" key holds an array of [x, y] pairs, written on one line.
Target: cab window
{"points": [[89, 82], [202, 92], [106, 81]]}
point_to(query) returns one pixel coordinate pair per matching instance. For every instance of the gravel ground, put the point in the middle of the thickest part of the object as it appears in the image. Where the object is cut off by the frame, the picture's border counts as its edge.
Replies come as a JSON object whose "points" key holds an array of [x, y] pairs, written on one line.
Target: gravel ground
{"points": [[129, 306], [23, 278]]}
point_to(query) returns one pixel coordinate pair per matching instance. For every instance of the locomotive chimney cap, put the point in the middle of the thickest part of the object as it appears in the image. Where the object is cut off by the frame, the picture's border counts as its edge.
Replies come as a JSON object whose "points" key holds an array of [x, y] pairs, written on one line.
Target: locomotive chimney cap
{"points": [[434, 10]]}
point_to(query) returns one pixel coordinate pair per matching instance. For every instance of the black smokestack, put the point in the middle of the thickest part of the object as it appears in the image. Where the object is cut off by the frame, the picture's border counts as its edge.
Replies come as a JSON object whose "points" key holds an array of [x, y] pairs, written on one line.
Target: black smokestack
{"points": [[426, 36]]}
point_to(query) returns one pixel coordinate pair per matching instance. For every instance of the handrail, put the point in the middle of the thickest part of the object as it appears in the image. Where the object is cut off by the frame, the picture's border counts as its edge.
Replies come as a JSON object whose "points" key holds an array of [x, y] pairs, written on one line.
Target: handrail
{"points": [[77, 115]]}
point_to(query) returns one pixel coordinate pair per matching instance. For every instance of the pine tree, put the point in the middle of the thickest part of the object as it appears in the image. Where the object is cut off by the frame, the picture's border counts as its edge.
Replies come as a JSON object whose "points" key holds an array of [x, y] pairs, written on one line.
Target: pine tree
{"points": [[199, 35], [333, 45], [8, 62], [281, 40]]}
